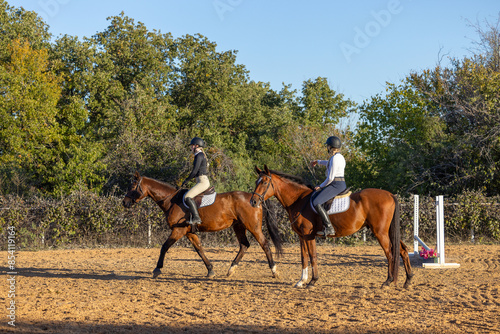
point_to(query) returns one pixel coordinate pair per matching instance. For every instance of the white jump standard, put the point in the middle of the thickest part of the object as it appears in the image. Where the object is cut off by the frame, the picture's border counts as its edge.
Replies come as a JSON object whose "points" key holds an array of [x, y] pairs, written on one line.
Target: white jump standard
{"points": [[439, 237]]}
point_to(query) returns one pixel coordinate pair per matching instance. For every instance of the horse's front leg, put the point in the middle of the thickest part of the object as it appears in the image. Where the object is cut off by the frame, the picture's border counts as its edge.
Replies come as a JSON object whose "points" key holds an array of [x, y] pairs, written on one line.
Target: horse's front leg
{"points": [[305, 263], [175, 235], [195, 241], [313, 257]]}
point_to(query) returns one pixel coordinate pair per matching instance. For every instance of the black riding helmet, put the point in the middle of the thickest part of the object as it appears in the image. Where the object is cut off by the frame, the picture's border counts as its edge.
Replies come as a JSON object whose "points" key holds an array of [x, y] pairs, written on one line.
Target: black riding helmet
{"points": [[333, 142], [197, 141]]}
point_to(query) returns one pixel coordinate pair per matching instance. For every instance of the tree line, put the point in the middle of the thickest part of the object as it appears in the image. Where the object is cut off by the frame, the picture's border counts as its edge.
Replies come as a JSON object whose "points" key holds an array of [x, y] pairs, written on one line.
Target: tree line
{"points": [[84, 114]]}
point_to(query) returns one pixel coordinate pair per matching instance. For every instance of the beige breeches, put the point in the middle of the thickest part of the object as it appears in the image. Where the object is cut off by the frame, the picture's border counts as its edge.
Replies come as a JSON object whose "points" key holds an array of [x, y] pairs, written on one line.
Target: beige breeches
{"points": [[201, 185]]}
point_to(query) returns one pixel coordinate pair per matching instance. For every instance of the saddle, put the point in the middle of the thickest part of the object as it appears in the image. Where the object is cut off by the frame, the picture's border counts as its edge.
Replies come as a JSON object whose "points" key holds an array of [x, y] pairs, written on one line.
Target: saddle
{"points": [[339, 203], [328, 204], [206, 198]]}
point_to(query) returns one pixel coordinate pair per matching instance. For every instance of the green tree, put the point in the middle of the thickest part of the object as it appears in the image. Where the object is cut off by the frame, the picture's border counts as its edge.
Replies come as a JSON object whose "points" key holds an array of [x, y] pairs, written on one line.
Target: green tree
{"points": [[321, 104], [119, 80], [130, 63], [17, 23], [401, 136], [467, 96], [36, 144], [29, 131]]}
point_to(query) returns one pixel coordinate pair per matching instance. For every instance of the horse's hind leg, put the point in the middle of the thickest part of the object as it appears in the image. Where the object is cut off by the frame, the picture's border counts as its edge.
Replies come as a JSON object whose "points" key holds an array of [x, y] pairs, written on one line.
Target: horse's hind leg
{"points": [[264, 243], [385, 243], [239, 230], [172, 238], [406, 262], [195, 241]]}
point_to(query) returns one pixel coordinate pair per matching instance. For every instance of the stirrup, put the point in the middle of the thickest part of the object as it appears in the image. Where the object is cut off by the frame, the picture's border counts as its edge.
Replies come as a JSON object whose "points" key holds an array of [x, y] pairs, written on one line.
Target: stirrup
{"points": [[191, 222], [327, 231]]}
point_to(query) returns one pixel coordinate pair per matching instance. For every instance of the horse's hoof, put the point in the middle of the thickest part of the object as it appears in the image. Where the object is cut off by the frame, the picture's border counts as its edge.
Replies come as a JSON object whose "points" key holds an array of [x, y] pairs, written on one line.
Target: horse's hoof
{"points": [[311, 284], [210, 274], [385, 285], [156, 272], [274, 270], [408, 282], [299, 284], [231, 271]]}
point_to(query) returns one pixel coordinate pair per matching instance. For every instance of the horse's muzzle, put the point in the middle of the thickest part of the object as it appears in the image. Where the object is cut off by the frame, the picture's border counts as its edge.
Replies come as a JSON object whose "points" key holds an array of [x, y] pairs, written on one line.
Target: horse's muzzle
{"points": [[127, 202], [255, 202]]}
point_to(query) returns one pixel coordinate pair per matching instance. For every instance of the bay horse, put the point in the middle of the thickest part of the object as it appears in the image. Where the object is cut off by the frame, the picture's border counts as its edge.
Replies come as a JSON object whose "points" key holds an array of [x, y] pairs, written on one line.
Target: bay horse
{"points": [[229, 209], [375, 208]]}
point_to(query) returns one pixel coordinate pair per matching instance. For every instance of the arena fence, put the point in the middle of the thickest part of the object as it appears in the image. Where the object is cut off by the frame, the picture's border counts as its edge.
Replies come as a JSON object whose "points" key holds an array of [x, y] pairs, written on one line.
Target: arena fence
{"points": [[84, 219]]}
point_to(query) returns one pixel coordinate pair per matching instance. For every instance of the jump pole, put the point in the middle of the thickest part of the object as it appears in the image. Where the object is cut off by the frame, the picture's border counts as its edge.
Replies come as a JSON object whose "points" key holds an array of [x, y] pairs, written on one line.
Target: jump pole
{"points": [[439, 237]]}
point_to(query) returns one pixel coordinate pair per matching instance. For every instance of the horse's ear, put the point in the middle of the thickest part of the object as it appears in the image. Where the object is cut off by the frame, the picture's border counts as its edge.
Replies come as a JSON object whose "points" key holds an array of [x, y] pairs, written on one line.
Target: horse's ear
{"points": [[258, 170], [137, 175], [267, 170]]}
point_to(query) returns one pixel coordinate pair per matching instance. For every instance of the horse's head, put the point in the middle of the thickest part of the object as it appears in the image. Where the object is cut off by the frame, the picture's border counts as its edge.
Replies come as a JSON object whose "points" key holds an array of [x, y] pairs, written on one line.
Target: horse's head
{"points": [[135, 192], [264, 187]]}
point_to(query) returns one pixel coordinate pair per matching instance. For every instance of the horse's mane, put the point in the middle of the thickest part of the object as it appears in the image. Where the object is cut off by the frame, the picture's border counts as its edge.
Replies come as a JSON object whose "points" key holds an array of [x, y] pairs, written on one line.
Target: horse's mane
{"points": [[293, 178], [160, 182]]}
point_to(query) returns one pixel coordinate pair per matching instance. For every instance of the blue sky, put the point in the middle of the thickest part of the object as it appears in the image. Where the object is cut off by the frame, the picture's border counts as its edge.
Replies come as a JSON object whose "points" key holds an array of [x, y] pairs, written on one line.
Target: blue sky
{"points": [[356, 45]]}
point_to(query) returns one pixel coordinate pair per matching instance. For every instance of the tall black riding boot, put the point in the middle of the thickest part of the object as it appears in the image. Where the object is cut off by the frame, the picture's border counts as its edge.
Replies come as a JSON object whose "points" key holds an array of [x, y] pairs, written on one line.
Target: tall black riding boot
{"points": [[195, 216], [328, 228]]}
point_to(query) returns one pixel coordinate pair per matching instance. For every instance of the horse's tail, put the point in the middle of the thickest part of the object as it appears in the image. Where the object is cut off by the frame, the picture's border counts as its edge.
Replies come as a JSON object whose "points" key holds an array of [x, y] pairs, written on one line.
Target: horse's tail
{"points": [[395, 236], [268, 216]]}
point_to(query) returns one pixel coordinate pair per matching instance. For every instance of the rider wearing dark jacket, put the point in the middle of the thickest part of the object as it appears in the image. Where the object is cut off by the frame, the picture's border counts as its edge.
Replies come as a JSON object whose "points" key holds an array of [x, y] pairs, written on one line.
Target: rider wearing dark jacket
{"points": [[200, 172]]}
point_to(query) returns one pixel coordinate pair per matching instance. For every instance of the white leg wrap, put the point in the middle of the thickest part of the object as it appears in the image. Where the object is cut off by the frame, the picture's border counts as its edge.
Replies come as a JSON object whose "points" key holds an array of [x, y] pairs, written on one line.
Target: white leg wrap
{"points": [[232, 269], [303, 279]]}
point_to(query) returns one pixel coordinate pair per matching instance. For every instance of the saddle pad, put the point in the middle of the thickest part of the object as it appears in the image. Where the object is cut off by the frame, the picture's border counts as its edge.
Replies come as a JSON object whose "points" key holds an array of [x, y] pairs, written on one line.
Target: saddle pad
{"points": [[206, 200], [339, 205]]}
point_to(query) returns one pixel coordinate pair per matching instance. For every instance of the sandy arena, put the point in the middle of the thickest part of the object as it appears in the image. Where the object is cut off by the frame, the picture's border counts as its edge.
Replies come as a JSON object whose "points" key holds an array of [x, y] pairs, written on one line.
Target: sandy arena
{"points": [[111, 291]]}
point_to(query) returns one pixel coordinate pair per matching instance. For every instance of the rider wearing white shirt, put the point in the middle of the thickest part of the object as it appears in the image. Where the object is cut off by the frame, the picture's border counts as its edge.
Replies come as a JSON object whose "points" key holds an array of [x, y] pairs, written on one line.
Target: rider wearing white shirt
{"points": [[334, 183], [334, 168]]}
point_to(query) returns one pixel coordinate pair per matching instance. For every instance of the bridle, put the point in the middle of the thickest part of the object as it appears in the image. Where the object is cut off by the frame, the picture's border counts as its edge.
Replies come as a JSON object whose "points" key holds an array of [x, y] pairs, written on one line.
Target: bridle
{"points": [[138, 190], [265, 191]]}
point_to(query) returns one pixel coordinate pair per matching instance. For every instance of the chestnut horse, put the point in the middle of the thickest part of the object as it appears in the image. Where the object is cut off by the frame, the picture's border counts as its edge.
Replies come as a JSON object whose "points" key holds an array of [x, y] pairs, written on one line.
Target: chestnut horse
{"points": [[229, 209], [377, 209]]}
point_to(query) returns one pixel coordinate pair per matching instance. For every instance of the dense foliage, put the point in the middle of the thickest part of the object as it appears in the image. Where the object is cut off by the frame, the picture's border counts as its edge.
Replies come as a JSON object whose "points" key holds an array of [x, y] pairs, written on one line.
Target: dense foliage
{"points": [[85, 114], [81, 115]]}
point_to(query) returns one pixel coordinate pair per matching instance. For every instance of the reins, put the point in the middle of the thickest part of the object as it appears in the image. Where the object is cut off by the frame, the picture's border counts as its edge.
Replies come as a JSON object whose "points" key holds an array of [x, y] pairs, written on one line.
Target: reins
{"points": [[137, 189], [171, 195], [277, 192], [264, 193]]}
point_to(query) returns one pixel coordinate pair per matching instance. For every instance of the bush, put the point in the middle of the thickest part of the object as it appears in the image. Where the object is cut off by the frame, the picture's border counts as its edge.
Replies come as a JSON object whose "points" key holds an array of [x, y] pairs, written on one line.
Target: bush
{"points": [[84, 219]]}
